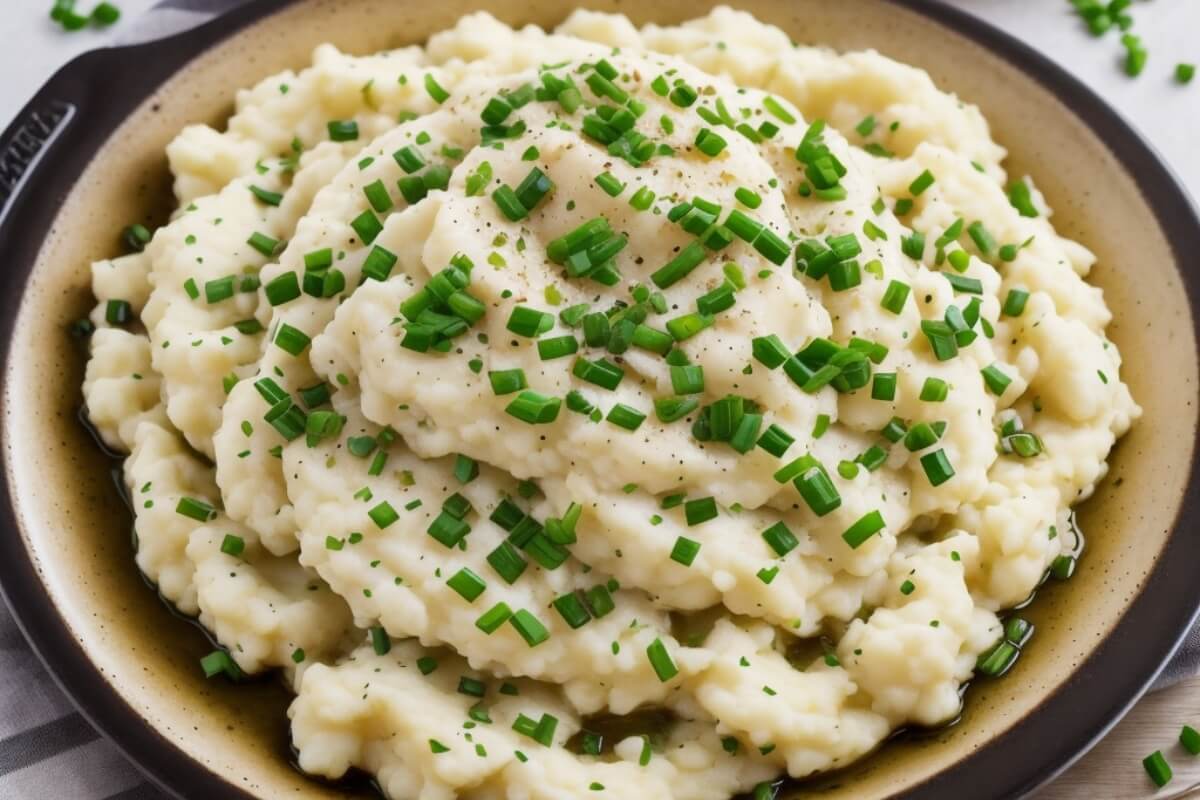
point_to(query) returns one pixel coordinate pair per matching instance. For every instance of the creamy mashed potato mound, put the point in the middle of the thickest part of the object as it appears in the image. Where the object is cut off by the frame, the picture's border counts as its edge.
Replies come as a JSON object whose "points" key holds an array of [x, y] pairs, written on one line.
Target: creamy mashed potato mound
{"points": [[605, 412]]}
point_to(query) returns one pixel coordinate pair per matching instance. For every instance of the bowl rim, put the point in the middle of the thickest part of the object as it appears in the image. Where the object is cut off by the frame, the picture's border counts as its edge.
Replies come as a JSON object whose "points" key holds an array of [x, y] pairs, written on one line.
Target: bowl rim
{"points": [[1109, 681]]}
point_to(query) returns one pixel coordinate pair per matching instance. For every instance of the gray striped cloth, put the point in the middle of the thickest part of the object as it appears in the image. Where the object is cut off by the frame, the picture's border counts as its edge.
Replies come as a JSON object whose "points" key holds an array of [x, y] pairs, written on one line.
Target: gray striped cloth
{"points": [[47, 749]]}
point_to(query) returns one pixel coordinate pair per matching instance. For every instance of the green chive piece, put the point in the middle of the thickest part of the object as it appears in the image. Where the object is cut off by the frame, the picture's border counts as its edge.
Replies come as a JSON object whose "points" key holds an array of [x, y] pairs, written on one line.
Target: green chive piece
{"points": [[383, 515], [1157, 768], [609, 184], [688, 325], [1021, 198], [776, 441], [534, 408], [937, 467], [921, 183], [1190, 739], [818, 491], [679, 267], [660, 660], [557, 347], [709, 143], [435, 90], [263, 243], [1014, 303], [780, 539], [626, 417], [529, 322], [291, 340], [670, 409], [268, 197], [342, 130], [700, 511], [506, 200], [895, 296], [602, 372], [233, 545], [867, 526], [529, 627], [995, 379], [367, 226], [685, 550], [572, 610]]}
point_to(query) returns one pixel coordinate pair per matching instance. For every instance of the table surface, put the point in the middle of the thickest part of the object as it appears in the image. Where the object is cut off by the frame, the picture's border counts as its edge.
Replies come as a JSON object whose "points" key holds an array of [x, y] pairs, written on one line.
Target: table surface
{"points": [[1167, 114]]}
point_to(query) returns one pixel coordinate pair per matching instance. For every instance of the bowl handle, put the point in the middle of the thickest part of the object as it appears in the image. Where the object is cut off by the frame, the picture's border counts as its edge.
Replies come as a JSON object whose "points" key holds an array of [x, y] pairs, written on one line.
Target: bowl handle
{"points": [[30, 136]]}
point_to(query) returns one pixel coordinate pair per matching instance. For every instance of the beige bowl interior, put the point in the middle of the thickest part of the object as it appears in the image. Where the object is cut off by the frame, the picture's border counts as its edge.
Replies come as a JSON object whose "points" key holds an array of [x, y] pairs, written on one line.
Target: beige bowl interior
{"points": [[79, 531]]}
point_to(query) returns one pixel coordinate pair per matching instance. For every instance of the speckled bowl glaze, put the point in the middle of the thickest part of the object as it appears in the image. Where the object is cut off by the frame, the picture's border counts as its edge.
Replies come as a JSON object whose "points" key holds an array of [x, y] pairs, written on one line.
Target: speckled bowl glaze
{"points": [[87, 156]]}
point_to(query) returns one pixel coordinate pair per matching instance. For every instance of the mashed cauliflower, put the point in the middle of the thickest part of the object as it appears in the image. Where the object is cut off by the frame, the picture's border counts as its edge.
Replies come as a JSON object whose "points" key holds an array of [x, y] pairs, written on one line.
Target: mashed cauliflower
{"points": [[515, 392]]}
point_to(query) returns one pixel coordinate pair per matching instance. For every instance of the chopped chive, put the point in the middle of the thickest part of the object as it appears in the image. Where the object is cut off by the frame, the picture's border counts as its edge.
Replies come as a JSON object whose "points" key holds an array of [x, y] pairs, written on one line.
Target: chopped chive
{"points": [[268, 197], [533, 188], [557, 347], [507, 562], [1014, 303], [995, 379], [867, 526], [934, 390], [1021, 198], [820, 426], [609, 184], [383, 515], [688, 325], [380, 641], [233, 545], [895, 296], [818, 491], [534, 408], [377, 195], [506, 200], [747, 197], [921, 183], [507, 381], [670, 409], [685, 550], [776, 441], [776, 109], [660, 660], [220, 662], [642, 198], [1157, 768], [688, 379], [529, 322], [282, 288], [263, 243], [679, 267], [883, 386], [572, 610], [529, 627], [291, 340], [367, 226], [780, 539], [626, 417], [435, 90], [602, 372], [937, 467], [709, 143], [700, 511], [1190, 739]]}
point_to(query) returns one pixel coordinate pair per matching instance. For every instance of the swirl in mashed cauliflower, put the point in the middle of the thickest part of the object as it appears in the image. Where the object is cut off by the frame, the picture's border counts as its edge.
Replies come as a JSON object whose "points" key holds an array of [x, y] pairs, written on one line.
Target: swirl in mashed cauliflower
{"points": [[496, 387]]}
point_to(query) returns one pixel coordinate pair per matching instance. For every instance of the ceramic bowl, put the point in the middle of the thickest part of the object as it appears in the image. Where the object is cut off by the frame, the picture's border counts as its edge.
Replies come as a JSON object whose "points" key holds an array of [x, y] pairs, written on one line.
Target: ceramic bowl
{"points": [[86, 157]]}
